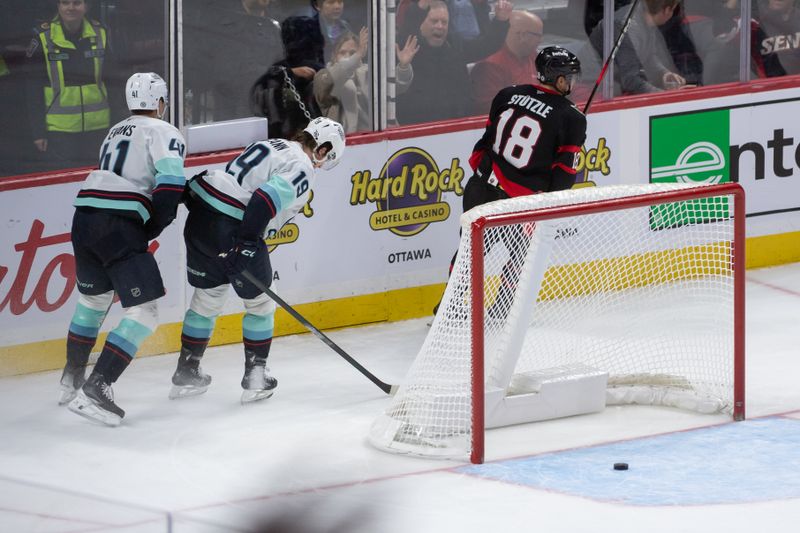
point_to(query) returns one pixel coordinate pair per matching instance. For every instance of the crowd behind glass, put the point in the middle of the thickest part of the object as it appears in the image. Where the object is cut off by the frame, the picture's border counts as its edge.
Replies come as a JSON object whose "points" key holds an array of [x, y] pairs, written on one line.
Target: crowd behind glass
{"points": [[63, 63]]}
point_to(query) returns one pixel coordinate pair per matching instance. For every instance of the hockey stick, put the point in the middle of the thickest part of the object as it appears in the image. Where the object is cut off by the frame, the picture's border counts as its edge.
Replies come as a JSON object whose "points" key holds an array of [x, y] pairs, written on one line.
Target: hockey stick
{"points": [[610, 57], [385, 387]]}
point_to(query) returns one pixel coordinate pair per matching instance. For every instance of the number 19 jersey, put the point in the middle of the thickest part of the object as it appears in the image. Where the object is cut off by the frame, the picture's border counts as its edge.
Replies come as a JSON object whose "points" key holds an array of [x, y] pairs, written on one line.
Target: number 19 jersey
{"points": [[270, 179], [532, 140]]}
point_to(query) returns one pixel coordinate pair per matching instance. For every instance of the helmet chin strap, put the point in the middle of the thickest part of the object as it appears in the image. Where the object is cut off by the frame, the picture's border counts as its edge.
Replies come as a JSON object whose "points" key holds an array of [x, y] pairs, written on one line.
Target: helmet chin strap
{"points": [[162, 113], [324, 163]]}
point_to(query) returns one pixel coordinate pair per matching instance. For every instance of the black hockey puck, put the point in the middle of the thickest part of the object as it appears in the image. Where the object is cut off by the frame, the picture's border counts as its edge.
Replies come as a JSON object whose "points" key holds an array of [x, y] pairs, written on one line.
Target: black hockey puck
{"points": [[620, 466]]}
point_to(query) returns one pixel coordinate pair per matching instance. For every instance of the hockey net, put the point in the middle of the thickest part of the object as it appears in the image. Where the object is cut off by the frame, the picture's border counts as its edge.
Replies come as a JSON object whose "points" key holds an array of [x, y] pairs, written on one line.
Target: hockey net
{"points": [[639, 288]]}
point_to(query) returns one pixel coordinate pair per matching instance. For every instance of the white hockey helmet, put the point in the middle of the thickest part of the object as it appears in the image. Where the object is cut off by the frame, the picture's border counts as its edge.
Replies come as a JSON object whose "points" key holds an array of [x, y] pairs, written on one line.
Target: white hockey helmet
{"points": [[325, 130], [144, 90]]}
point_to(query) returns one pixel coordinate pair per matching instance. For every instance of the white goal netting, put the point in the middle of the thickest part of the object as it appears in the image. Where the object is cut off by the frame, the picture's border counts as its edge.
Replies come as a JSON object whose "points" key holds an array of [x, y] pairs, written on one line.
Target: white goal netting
{"points": [[643, 296]]}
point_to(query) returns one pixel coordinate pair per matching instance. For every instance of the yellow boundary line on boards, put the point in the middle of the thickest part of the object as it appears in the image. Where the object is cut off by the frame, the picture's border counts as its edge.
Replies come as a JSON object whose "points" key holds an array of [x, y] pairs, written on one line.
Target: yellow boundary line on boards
{"points": [[389, 306]]}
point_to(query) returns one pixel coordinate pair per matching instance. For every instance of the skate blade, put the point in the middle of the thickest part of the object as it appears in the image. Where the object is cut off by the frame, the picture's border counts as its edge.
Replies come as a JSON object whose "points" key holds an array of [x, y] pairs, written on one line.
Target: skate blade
{"points": [[85, 407], [67, 395], [249, 396], [178, 391]]}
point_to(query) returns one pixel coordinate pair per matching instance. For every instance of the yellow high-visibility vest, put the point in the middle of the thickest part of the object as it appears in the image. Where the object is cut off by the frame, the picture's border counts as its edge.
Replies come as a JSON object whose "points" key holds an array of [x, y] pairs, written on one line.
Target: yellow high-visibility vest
{"points": [[74, 108]]}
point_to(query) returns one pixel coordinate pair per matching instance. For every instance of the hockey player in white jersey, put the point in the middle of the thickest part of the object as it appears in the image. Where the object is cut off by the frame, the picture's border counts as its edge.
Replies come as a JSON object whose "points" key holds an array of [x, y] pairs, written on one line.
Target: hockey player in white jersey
{"points": [[127, 201], [230, 214]]}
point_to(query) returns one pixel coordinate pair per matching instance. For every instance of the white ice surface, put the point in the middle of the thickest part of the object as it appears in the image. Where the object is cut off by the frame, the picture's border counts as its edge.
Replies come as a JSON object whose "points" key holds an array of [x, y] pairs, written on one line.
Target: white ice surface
{"points": [[207, 463]]}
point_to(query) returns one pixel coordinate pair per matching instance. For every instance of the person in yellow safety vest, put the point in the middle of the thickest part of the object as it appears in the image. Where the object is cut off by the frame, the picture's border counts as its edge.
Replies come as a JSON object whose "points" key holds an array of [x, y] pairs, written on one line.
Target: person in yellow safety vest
{"points": [[69, 104]]}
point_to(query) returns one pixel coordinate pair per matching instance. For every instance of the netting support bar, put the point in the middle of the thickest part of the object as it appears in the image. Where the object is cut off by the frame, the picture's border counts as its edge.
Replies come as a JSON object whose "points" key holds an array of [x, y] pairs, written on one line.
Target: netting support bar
{"points": [[739, 265], [478, 394]]}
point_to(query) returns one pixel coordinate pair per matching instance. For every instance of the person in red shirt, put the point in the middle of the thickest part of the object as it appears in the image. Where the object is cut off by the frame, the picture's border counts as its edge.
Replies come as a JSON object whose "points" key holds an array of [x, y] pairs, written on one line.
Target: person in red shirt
{"points": [[513, 64]]}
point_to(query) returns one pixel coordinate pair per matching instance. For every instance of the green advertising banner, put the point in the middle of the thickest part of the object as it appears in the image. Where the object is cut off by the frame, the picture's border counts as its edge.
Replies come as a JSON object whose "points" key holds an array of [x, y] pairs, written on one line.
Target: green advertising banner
{"points": [[690, 148]]}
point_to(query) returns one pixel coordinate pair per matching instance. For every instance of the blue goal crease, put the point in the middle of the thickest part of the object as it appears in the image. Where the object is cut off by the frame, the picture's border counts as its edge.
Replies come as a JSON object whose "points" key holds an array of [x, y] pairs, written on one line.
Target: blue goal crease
{"points": [[750, 461]]}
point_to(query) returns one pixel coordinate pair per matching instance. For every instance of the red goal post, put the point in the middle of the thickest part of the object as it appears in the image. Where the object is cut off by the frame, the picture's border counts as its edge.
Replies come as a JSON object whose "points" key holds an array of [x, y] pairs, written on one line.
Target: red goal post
{"points": [[561, 303]]}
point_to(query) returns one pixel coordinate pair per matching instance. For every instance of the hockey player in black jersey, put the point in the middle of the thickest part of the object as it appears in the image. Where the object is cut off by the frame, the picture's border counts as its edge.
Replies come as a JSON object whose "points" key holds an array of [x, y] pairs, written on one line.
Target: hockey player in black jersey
{"points": [[530, 144], [533, 135]]}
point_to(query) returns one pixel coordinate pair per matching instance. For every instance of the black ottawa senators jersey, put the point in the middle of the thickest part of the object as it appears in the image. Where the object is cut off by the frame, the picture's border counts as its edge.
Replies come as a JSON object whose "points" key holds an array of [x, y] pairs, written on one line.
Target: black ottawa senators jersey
{"points": [[531, 141]]}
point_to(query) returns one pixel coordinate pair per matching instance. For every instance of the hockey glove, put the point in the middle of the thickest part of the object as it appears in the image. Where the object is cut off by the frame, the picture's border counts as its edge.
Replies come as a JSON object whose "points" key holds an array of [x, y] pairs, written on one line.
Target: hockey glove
{"points": [[153, 228], [238, 258]]}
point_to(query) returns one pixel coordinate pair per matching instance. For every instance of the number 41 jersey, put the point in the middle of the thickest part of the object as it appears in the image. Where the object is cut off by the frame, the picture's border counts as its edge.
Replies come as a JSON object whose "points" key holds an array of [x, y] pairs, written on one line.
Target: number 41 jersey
{"points": [[140, 167], [532, 140]]}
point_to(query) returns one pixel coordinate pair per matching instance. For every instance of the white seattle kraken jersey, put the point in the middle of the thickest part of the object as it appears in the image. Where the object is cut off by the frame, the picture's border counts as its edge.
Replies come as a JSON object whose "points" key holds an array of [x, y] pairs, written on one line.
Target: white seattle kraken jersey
{"points": [[138, 155], [275, 167]]}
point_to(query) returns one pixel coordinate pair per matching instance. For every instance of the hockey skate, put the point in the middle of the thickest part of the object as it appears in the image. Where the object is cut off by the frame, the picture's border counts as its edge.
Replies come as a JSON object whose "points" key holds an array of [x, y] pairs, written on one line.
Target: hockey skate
{"points": [[72, 379], [188, 379], [257, 384], [95, 401], [435, 311]]}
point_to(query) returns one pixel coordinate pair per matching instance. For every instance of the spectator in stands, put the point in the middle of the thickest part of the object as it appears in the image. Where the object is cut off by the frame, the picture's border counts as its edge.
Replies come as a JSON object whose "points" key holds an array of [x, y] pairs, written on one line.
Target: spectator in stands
{"points": [[593, 12], [67, 96], [284, 94], [682, 47], [16, 149], [342, 89], [464, 17], [251, 43], [331, 24], [441, 87], [721, 12], [780, 20], [715, 29], [469, 19], [643, 63], [513, 64]]}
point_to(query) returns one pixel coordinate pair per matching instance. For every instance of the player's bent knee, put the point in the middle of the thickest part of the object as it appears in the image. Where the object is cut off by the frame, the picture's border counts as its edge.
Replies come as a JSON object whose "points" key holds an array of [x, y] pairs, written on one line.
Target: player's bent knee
{"points": [[209, 302], [261, 305], [145, 314], [96, 302]]}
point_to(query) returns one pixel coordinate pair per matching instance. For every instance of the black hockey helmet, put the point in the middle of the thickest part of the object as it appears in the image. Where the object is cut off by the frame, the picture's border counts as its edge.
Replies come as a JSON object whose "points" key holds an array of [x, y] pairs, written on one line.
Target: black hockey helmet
{"points": [[554, 61]]}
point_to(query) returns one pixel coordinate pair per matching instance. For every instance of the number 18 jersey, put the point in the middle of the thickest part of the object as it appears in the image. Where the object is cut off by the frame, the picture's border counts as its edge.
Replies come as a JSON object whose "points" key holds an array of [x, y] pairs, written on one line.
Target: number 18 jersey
{"points": [[532, 140]]}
